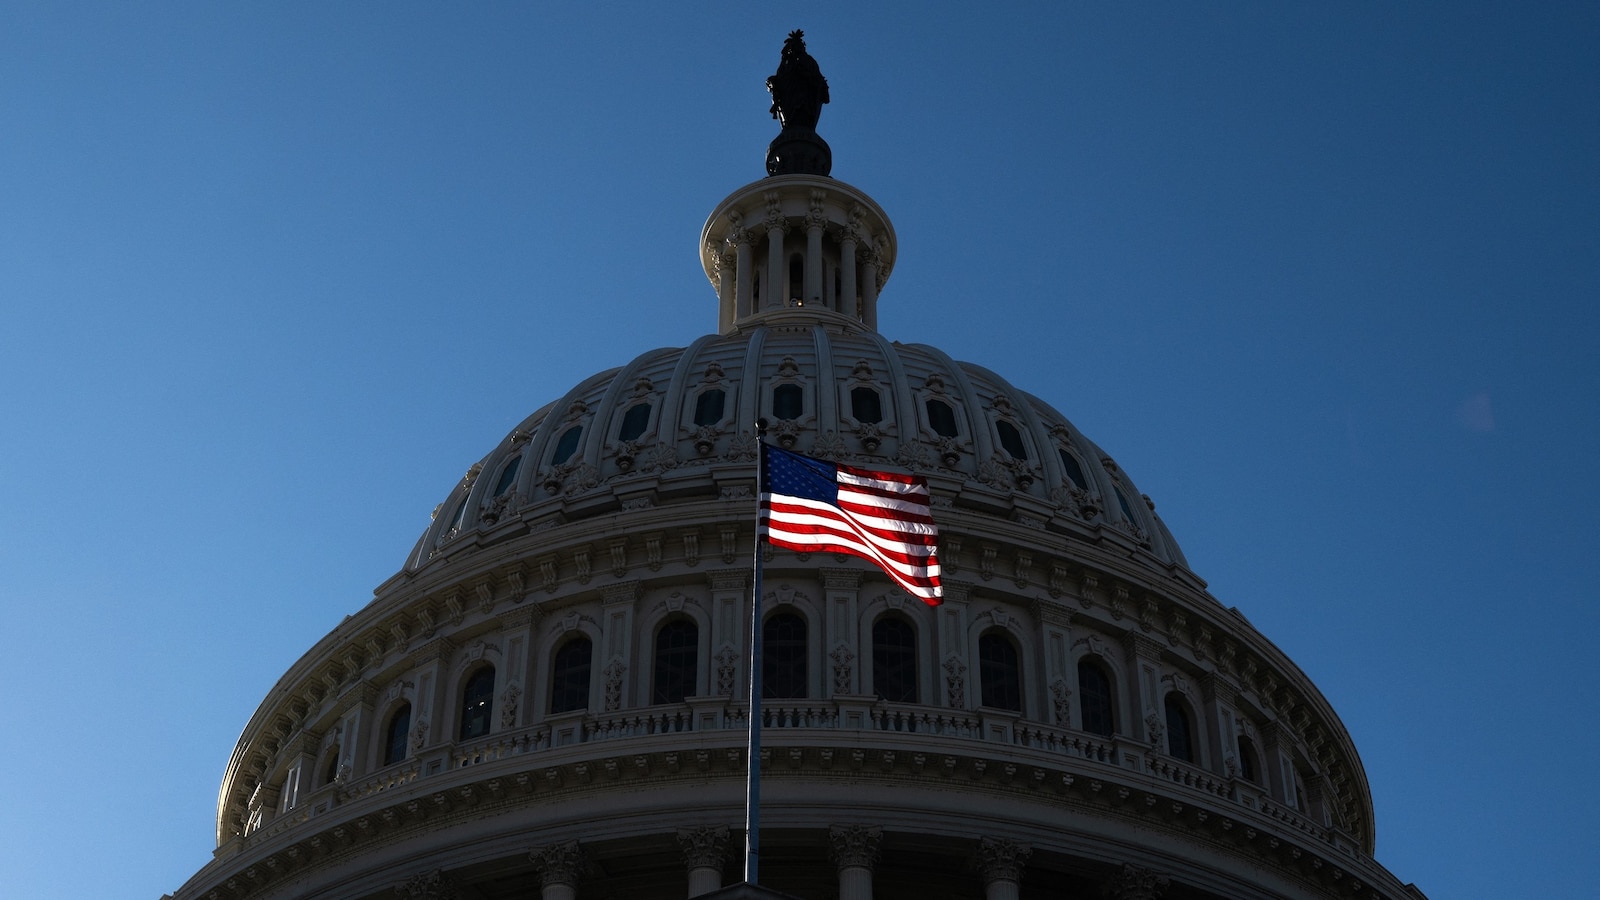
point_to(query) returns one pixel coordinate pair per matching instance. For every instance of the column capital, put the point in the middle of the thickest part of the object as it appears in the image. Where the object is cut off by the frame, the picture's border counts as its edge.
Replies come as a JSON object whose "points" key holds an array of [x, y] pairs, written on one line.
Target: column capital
{"points": [[558, 863], [1138, 883], [1001, 860], [854, 845], [704, 847]]}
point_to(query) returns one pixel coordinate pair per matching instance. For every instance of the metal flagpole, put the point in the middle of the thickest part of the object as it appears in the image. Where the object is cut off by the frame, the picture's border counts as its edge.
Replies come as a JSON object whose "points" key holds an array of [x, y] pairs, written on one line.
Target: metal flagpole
{"points": [[752, 801]]}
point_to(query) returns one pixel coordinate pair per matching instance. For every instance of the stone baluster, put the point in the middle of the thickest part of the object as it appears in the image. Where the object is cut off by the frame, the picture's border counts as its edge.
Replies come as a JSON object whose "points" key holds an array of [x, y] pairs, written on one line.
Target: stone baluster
{"points": [[1000, 862], [560, 866], [704, 849], [854, 849]]}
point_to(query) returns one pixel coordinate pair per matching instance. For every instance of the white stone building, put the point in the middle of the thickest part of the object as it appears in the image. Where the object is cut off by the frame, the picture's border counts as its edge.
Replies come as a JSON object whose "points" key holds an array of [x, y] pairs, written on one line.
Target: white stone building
{"points": [[549, 698]]}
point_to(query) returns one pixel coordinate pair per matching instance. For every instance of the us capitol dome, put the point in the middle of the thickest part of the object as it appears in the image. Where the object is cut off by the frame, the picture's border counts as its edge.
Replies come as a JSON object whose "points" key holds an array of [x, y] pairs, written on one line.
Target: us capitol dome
{"points": [[549, 699]]}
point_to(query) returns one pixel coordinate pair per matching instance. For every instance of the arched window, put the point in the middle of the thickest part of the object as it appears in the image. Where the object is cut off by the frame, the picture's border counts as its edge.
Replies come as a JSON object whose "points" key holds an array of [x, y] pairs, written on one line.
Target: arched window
{"points": [[1074, 470], [477, 703], [634, 422], [1247, 758], [677, 660], [783, 656], [999, 672], [508, 477], [865, 405], [894, 659], [330, 768], [941, 418], [394, 740], [459, 517], [708, 407], [787, 401], [1011, 439], [1127, 510], [1094, 689], [567, 446], [569, 676], [1180, 734]]}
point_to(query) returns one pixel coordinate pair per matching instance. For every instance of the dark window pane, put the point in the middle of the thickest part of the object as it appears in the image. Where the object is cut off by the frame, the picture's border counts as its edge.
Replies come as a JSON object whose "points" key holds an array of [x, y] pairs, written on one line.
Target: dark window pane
{"points": [[1247, 759], [787, 401], [477, 702], [1074, 470], [677, 652], [894, 660], [941, 418], [569, 676], [508, 477], [797, 267], [460, 516], [1127, 511], [865, 405], [1094, 685], [783, 656], [330, 771], [1180, 741], [999, 672], [1011, 440], [567, 446], [634, 421], [708, 408], [394, 744]]}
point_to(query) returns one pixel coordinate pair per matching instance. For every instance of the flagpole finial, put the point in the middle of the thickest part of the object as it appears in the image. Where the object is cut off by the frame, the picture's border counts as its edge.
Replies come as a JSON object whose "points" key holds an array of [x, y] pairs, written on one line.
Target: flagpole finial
{"points": [[761, 429]]}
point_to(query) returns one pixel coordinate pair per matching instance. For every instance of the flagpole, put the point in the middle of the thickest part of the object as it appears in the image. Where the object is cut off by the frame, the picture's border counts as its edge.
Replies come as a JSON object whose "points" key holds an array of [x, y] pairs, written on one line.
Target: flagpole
{"points": [[752, 801]]}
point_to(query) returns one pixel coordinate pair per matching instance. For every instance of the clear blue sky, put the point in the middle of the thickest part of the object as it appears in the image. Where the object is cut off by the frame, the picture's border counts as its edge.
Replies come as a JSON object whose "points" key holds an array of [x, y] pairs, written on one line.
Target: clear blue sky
{"points": [[1322, 277]]}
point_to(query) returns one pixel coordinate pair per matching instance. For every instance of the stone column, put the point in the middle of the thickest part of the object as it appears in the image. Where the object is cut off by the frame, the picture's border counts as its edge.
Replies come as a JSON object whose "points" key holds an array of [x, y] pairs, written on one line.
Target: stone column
{"points": [[848, 303], [777, 272], [744, 273], [854, 849], [704, 850], [1000, 862], [560, 866], [869, 290], [1137, 883], [812, 291]]}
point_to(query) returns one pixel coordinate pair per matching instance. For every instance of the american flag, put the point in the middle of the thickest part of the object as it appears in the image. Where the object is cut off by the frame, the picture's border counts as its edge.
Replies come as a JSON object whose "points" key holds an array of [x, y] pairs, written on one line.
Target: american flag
{"points": [[810, 505]]}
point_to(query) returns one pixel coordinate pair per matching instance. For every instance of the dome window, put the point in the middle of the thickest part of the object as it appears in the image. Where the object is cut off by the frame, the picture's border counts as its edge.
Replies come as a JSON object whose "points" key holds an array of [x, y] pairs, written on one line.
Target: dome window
{"points": [[394, 743], [477, 703], [1180, 733], [508, 477], [865, 406], [677, 660], [634, 422], [1094, 687], [708, 407], [1127, 511], [894, 660], [783, 656], [1011, 439], [1247, 759], [941, 418], [567, 446], [1069, 464], [569, 676], [1000, 671], [330, 770], [787, 401]]}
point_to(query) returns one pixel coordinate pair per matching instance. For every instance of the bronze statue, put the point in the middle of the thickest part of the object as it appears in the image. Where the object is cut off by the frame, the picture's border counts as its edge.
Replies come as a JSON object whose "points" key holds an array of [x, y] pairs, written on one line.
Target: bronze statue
{"points": [[798, 92], [798, 88]]}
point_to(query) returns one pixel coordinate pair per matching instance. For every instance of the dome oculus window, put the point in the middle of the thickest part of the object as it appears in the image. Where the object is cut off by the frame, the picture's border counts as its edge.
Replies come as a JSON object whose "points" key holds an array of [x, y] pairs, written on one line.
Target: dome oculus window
{"points": [[1011, 439], [894, 660], [394, 742], [787, 401], [941, 418], [1000, 672], [567, 446], [477, 703], [634, 422], [783, 656], [1094, 687], [865, 406], [569, 676], [1180, 734], [677, 652], [708, 407]]}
